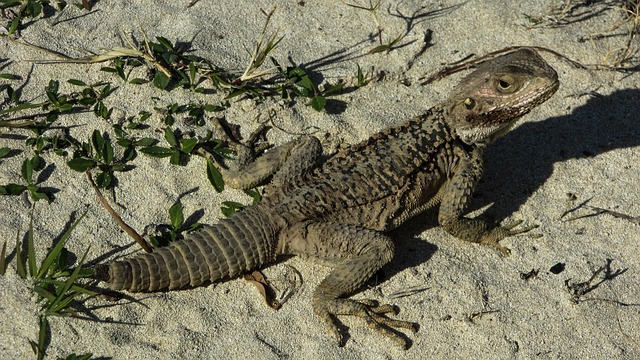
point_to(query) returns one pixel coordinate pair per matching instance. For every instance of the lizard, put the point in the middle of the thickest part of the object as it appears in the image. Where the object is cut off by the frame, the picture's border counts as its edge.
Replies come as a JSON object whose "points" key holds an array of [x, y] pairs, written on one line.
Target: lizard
{"points": [[340, 210]]}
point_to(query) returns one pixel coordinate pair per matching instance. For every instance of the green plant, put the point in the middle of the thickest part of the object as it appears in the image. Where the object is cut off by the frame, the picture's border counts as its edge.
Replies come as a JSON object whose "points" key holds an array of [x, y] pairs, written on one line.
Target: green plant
{"points": [[179, 150], [28, 9], [373, 8], [98, 154], [92, 96], [171, 232], [228, 208], [28, 167], [53, 280]]}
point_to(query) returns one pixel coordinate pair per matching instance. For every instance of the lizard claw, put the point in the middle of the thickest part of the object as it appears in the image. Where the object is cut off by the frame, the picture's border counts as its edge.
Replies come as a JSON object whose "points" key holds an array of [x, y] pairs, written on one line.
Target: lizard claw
{"points": [[375, 315], [493, 237]]}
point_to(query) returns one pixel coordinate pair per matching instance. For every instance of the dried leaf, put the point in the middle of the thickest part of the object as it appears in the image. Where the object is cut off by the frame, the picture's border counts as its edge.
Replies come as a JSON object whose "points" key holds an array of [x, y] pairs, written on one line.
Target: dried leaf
{"points": [[261, 283]]}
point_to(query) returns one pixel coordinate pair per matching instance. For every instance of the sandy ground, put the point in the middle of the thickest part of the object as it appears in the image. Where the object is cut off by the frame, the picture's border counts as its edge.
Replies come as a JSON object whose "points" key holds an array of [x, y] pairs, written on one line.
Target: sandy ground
{"points": [[475, 304]]}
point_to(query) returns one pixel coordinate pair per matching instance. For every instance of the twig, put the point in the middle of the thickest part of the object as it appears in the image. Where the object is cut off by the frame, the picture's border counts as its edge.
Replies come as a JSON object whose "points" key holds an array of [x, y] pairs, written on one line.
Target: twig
{"points": [[465, 65], [598, 210], [128, 229]]}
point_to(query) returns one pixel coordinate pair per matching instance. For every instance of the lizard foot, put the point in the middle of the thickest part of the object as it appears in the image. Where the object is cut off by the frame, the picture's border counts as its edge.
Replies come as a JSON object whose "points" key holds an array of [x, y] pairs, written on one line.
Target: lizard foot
{"points": [[375, 315], [499, 233]]}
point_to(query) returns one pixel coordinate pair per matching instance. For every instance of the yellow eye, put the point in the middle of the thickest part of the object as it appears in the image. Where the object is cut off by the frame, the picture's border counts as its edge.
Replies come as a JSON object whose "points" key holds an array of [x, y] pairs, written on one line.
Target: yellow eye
{"points": [[506, 84], [469, 103]]}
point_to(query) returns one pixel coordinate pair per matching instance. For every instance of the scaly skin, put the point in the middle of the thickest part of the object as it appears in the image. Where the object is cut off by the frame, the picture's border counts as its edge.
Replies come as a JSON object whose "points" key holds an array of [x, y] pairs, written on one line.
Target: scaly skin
{"points": [[341, 209]]}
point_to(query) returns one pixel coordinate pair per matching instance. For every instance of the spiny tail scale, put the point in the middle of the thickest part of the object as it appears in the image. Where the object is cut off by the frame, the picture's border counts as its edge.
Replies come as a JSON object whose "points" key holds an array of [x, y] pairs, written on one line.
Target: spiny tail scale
{"points": [[230, 248]]}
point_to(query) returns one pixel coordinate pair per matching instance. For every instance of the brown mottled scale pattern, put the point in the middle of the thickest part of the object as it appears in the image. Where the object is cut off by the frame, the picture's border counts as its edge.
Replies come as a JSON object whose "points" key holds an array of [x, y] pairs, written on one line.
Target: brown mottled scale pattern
{"points": [[339, 210]]}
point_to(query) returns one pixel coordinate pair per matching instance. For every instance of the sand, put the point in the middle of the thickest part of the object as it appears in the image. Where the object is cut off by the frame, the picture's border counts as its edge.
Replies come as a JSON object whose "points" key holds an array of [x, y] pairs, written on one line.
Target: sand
{"points": [[474, 302]]}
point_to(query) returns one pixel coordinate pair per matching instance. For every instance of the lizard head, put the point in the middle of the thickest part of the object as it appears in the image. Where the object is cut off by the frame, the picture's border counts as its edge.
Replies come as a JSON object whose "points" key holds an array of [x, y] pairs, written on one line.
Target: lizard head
{"points": [[487, 103]]}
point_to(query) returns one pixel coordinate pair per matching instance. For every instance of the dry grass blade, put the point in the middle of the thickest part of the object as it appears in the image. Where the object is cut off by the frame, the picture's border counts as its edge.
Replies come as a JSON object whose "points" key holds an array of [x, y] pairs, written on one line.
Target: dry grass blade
{"points": [[110, 54], [260, 52]]}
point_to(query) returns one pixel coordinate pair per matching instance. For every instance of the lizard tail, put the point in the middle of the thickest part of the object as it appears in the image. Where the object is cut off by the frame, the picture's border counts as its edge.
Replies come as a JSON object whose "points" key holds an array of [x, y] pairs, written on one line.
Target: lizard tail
{"points": [[230, 248]]}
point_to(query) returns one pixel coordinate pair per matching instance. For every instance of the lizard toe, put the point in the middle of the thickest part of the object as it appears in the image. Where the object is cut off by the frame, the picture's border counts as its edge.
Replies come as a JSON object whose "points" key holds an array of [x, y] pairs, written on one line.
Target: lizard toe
{"points": [[374, 315]]}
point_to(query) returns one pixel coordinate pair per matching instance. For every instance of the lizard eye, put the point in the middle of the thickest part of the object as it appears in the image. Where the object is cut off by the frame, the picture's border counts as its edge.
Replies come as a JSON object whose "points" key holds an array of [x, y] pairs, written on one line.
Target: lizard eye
{"points": [[469, 103], [506, 84]]}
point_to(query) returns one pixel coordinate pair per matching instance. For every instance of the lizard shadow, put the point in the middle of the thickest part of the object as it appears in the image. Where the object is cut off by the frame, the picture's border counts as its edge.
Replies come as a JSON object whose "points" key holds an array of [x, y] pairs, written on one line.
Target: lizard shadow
{"points": [[410, 250], [519, 164]]}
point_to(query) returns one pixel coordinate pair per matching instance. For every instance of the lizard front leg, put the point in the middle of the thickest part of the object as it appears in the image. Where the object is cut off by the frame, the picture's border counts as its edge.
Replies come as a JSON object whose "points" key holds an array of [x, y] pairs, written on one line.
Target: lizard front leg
{"points": [[457, 195], [281, 164], [357, 253]]}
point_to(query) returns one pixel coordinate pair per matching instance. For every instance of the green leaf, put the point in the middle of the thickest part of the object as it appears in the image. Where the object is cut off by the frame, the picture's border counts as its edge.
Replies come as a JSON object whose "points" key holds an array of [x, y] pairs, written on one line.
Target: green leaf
{"points": [[14, 25], [12, 189], [171, 137], [125, 143], [192, 72], [360, 76], [107, 152], [76, 82], [157, 151], [332, 89], [10, 76], [128, 155], [119, 167], [36, 193], [53, 86], [3, 259], [27, 171], [53, 254], [33, 8], [318, 103], [86, 101], [306, 83], [103, 180], [101, 110], [211, 107], [177, 217], [35, 160], [58, 303], [166, 43], [188, 144], [42, 336], [379, 49], [81, 164], [161, 81], [21, 267], [214, 176], [31, 251], [145, 142], [144, 115], [175, 158], [97, 141], [255, 195], [228, 208]]}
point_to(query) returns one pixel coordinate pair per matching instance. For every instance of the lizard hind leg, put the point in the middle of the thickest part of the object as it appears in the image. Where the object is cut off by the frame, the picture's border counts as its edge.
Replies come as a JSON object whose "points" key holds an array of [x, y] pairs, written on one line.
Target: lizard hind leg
{"points": [[356, 253]]}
